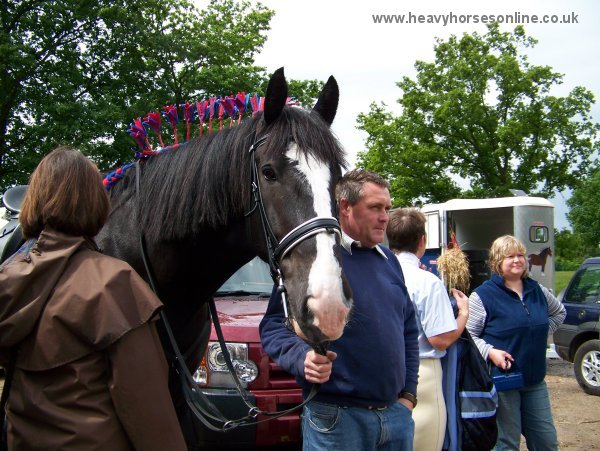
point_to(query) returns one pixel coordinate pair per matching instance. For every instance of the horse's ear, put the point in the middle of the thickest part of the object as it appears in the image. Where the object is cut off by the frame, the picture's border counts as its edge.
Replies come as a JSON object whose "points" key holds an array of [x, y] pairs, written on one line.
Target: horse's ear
{"points": [[327, 104], [276, 98]]}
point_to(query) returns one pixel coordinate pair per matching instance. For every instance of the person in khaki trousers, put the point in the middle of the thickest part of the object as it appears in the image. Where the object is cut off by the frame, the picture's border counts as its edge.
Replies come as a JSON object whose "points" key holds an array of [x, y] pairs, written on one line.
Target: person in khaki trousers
{"points": [[438, 328]]}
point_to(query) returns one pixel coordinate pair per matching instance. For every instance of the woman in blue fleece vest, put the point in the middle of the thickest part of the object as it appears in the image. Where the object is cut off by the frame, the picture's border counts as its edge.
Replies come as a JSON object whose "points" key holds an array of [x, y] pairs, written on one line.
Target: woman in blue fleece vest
{"points": [[510, 318]]}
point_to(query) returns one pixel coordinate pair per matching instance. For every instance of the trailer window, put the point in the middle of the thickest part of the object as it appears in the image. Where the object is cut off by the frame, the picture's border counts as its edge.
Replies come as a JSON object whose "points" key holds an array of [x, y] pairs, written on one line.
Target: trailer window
{"points": [[432, 229], [538, 234]]}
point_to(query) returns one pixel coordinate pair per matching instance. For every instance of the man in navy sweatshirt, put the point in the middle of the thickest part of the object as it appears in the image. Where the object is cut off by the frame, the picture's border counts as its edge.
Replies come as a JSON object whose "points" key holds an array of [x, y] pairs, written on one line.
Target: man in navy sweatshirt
{"points": [[369, 375]]}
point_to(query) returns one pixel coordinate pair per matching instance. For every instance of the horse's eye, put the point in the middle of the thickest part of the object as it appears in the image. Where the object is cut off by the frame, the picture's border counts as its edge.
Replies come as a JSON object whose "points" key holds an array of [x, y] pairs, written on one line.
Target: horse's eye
{"points": [[269, 173]]}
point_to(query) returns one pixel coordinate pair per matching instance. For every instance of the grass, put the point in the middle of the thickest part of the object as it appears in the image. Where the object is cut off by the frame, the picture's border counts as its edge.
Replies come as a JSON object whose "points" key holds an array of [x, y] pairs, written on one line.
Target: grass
{"points": [[561, 280]]}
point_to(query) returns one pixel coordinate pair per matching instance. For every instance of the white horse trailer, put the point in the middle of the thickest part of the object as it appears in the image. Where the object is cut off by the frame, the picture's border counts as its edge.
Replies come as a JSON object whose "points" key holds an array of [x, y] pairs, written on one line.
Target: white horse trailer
{"points": [[476, 223]]}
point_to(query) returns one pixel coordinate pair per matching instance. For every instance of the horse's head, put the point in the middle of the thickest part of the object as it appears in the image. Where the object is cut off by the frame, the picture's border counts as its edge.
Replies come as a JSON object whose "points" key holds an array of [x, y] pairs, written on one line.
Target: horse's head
{"points": [[298, 167]]}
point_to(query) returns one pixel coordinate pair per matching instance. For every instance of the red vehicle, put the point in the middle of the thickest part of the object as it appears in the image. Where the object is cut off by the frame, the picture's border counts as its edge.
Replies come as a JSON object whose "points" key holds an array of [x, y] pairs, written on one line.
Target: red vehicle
{"points": [[241, 303]]}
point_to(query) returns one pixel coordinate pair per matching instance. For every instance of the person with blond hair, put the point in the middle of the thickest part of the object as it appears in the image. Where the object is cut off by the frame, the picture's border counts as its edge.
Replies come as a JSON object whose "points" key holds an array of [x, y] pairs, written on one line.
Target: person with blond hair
{"points": [[77, 330], [510, 318]]}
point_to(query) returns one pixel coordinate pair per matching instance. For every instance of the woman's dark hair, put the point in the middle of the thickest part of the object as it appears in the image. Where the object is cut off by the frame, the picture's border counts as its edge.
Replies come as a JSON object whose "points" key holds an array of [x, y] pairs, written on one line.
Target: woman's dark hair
{"points": [[66, 194]]}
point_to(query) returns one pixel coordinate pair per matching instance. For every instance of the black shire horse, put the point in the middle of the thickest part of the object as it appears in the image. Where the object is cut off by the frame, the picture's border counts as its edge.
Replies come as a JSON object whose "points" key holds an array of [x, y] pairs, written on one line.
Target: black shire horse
{"points": [[197, 210]]}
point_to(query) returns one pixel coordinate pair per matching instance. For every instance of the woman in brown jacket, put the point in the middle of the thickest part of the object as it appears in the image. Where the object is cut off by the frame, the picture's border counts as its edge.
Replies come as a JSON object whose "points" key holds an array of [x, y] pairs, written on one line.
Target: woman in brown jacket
{"points": [[90, 373]]}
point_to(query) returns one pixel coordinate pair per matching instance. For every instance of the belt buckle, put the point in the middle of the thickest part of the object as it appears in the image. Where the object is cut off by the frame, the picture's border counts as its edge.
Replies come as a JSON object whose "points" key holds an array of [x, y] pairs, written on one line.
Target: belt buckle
{"points": [[377, 408]]}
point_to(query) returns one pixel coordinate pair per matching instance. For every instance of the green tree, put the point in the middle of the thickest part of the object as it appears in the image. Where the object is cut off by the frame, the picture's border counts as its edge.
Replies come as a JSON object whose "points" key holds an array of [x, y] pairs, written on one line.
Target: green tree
{"points": [[584, 214], [571, 250], [483, 113], [77, 71]]}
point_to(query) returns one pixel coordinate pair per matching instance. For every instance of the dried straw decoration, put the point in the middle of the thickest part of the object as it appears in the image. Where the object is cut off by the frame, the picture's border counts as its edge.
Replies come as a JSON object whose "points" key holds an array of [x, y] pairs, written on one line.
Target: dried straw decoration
{"points": [[453, 265]]}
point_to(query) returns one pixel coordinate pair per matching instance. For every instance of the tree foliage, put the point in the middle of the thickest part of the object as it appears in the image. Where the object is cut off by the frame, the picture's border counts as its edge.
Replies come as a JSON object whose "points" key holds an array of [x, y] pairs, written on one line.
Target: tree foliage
{"points": [[483, 113], [77, 71], [584, 214], [571, 250]]}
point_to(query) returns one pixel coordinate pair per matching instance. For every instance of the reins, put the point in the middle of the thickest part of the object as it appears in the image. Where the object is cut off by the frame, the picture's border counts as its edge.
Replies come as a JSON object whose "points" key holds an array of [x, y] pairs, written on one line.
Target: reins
{"points": [[197, 401]]}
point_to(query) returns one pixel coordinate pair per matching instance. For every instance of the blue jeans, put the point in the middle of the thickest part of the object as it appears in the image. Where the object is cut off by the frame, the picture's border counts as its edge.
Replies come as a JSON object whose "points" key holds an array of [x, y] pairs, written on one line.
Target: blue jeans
{"points": [[328, 427], [526, 411]]}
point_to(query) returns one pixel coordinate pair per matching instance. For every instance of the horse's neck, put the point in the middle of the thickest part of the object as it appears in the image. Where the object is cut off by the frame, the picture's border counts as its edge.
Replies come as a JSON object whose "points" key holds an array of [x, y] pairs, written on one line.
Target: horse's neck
{"points": [[206, 260]]}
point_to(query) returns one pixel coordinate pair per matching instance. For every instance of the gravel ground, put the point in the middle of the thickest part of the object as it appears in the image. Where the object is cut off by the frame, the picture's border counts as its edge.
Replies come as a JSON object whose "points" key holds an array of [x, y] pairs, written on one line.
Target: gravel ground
{"points": [[576, 414]]}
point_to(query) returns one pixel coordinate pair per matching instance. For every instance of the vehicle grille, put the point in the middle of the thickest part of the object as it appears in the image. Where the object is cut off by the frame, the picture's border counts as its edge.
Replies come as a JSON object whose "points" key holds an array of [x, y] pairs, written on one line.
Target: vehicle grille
{"points": [[279, 378], [271, 376]]}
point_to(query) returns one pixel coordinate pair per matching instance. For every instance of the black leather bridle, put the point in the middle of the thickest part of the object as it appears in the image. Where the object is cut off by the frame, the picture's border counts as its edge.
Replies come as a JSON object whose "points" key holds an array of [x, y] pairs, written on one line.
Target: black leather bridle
{"points": [[278, 249], [197, 401]]}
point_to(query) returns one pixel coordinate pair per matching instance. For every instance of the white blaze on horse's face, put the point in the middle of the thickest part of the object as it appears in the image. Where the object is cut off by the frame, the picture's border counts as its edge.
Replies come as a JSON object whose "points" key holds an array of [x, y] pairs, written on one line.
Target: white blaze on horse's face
{"points": [[326, 298]]}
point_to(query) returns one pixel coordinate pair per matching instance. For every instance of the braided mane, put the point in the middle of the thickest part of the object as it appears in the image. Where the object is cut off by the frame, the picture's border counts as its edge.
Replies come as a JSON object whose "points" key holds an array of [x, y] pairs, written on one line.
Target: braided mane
{"points": [[206, 182], [202, 113]]}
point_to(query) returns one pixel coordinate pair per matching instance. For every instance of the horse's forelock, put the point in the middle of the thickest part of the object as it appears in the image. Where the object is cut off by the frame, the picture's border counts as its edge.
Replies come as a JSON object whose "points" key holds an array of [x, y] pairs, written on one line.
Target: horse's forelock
{"points": [[309, 132]]}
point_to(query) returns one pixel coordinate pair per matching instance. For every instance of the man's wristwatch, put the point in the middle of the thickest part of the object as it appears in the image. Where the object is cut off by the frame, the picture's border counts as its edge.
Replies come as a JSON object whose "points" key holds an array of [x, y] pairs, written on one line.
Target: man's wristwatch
{"points": [[412, 398]]}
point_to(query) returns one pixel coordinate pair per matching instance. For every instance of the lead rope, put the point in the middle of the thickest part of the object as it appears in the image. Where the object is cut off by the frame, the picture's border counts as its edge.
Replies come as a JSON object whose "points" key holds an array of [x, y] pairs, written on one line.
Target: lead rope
{"points": [[253, 410], [192, 393]]}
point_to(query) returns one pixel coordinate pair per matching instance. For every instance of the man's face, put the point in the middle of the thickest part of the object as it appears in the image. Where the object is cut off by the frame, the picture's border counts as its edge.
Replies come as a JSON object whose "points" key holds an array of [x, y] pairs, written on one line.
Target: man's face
{"points": [[367, 220]]}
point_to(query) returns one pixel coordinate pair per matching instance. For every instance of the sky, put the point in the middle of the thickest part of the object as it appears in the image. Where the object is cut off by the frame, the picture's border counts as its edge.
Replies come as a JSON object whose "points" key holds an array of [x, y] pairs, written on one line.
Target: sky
{"points": [[313, 39]]}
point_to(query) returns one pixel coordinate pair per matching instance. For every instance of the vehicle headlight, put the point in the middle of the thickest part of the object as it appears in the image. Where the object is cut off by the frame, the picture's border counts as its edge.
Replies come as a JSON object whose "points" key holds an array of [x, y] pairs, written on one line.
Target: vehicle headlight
{"points": [[218, 373], [246, 370], [201, 375]]}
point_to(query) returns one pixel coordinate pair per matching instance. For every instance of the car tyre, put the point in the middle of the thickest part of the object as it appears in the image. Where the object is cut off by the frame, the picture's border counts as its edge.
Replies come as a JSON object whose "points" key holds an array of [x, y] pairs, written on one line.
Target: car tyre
{"points": [[587, 367]]}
